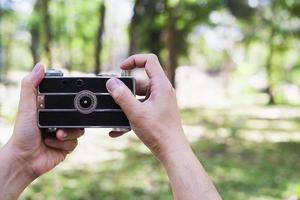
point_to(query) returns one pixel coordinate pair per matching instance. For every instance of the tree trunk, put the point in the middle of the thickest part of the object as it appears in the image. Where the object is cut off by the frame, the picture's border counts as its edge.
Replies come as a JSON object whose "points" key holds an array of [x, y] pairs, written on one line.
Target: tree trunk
{"points": [[35, 35], [69, 63], [5, 52], [98, 47], [48, 30], [269, 70], [69, 24], [34, 30], [7, 57], [133, 46], [226, 68], [172, 33], [172, 61]]}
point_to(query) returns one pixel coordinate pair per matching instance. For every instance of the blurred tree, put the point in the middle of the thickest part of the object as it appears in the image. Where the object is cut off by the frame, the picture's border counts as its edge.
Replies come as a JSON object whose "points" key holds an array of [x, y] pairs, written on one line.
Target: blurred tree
{"points": [[293, 6], [34, 28], [172, 34], [40, 28], [84, 21], [63, 31], [133, 32], [240, 9], [267, 23], [146, 27], [98, 44], [163, 26], [69, 31], [48, 29], [7, 29]]}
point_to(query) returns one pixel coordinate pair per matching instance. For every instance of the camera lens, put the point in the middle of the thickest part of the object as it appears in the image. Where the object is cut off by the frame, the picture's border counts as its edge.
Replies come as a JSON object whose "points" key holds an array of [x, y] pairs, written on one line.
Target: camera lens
{"points": [[85, 102]]}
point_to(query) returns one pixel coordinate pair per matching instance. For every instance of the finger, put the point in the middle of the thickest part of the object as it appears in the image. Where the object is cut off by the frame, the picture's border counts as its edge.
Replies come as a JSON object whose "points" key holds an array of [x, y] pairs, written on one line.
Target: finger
{"points": [[28, 88], [142, 87], [122, 96], [69, 134], [148, 61], [68, 145], [115, 134]]}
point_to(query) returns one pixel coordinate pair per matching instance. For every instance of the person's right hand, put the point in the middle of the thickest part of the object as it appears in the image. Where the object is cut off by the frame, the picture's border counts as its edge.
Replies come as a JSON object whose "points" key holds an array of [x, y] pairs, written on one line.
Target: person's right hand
{"points": [[156, 120]]}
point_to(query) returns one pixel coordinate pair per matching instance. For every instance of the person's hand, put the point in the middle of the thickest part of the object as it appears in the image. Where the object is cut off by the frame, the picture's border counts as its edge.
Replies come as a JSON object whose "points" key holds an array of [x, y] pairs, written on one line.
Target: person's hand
{"points": [[26, 146], [155, 120], [27, 155]]}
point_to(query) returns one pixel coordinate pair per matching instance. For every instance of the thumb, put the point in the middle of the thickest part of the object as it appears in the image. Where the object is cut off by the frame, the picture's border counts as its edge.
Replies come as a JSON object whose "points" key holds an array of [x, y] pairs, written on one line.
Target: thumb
{"points": [[122, 96], [28, 88]]}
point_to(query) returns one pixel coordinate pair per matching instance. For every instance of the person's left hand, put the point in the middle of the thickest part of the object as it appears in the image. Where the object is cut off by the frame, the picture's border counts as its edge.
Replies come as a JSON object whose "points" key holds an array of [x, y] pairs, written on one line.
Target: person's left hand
{"points": [[26, 145]]}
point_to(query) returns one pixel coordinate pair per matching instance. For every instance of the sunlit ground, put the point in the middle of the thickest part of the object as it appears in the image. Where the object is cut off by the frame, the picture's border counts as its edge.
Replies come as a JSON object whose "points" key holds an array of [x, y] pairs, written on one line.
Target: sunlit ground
{"points": [[250, 151]]}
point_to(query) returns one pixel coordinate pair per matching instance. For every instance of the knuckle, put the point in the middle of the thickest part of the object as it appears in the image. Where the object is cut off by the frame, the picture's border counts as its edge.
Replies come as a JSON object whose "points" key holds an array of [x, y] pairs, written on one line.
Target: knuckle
{"points": [[153, 57]]}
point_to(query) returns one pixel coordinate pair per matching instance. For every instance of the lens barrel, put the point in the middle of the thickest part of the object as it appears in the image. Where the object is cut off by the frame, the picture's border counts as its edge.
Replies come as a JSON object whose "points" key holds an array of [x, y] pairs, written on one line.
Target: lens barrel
{"points": [[85, 102]]}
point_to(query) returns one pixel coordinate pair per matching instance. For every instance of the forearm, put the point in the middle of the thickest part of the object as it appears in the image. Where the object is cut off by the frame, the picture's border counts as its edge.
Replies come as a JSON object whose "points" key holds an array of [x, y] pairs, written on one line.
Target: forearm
{"points": [[13, 178], [187, 176]]}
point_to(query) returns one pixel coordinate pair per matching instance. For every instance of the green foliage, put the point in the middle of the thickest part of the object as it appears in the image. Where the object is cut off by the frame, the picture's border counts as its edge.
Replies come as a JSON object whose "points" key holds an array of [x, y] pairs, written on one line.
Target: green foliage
{"points": [[240, 9], [7, 28], [272, 24], [297, 190], [153, 21], [74, 26], [269, 23], [293, 6]]}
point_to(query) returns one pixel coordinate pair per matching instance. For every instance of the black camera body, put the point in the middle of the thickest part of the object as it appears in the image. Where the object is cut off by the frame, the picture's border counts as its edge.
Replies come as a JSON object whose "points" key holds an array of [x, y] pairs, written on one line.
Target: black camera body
{"points": [[80, 102]]}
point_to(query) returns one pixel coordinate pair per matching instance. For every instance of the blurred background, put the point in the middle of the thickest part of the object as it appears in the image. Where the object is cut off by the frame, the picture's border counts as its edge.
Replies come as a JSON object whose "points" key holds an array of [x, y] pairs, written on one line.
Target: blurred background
{"points": [[236, 68]]}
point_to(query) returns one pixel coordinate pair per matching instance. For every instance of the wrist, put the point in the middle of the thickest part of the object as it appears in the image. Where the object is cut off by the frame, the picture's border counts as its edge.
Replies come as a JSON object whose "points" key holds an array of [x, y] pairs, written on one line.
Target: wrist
{"points": [[187, 177], [175, 154], [14, 177], [174, 148], [17, 160]]}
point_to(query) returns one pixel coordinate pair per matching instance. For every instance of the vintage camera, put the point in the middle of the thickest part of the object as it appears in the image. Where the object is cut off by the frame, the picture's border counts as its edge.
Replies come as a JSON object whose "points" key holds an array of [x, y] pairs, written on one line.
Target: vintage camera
{"points": [[80, 102]]}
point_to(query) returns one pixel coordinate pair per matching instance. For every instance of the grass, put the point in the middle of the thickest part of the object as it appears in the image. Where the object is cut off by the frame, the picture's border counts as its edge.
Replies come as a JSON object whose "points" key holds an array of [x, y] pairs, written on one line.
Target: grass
{"points": [[137, 176], [241, 169], [247, 170]]}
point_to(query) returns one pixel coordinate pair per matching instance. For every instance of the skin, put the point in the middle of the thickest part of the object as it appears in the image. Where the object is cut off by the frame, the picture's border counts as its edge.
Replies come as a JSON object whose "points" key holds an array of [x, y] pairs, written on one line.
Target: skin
{"points": [[157, 123], [27, 156]]}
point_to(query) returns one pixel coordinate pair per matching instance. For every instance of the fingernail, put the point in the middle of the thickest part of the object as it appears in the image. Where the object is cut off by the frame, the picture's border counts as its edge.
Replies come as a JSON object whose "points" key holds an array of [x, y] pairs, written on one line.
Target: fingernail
{"points": [[36, 68], [112, 84]]}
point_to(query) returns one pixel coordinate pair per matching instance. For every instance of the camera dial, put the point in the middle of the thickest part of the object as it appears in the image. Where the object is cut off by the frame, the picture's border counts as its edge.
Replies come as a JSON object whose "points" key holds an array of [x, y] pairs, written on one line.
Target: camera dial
{"points": [[53, 72], [85, 102]]}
